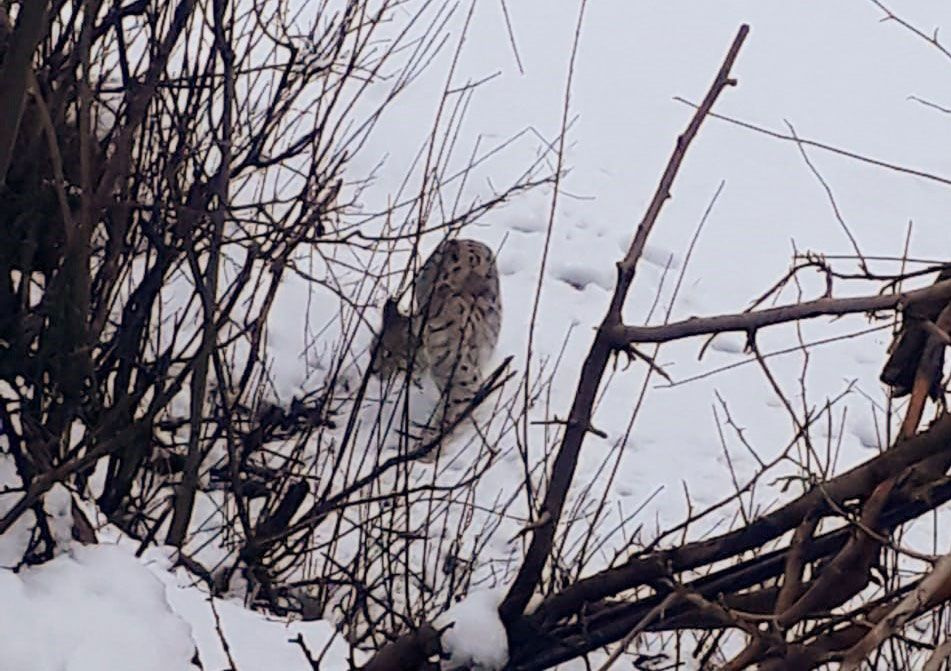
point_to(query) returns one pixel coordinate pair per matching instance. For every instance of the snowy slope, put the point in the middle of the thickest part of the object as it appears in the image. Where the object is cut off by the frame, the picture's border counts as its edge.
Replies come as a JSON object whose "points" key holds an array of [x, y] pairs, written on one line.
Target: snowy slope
{"points": [[844, 79], [833, 71], [99, 607]]}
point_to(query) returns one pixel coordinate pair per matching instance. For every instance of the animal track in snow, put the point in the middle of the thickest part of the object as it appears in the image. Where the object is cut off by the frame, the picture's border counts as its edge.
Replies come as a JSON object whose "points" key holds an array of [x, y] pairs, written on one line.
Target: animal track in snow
{"points": [[510, 262], [652, 254], [579, 277], [528, 225], [866, 433], [866, 357], [730, 343]]}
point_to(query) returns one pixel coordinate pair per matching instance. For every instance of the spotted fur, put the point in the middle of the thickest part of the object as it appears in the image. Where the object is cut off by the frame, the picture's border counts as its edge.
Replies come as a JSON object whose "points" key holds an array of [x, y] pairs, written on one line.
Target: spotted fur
{"points": [[453, 327]]}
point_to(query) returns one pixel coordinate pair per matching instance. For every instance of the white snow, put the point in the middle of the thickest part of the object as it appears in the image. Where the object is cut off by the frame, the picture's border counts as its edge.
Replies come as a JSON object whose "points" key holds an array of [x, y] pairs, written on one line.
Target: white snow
{"points": [[58, 506], [99, 607], [255, 641], [837, 72], [475, 636], [579, 276], [96, 607]]}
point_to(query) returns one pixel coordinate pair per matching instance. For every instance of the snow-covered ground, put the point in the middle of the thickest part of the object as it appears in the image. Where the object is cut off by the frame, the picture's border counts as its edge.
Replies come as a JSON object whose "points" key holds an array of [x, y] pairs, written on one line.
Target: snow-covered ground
{"points": [[100, 607], [834, 71]]}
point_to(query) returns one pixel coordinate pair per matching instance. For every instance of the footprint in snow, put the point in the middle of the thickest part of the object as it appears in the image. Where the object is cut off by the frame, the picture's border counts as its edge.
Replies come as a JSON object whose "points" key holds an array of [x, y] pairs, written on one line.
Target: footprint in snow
{"points": [[579, 277], [660, 257], [525, 225], [510, 262], [867, 435], [624, 490], [654, 255], [866, 357], [731, 343]]}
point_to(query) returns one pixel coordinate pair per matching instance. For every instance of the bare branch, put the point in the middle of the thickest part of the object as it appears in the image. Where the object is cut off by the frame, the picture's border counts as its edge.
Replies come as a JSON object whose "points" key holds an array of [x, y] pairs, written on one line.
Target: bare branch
{"points": [[750, 322], [595, 363]]}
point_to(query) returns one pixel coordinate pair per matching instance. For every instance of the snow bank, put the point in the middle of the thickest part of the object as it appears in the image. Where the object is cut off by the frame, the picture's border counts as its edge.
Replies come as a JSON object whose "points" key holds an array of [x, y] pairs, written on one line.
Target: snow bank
{"points": [[100, 608], [95, 608], [476, 638], [256, 642]]}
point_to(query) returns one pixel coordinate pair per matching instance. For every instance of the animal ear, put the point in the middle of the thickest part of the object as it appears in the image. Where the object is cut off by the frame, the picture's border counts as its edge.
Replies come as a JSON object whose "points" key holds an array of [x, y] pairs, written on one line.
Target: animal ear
{"points": [[391, 311]]}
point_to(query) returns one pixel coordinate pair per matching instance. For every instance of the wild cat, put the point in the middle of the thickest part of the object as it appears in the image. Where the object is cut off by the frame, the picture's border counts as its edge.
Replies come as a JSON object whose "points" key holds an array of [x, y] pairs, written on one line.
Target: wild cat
{"points": [[453, 326]]}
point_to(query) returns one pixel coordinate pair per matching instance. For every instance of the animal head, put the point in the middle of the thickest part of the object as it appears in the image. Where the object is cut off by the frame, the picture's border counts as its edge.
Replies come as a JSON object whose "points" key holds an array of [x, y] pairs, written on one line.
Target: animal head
{"points": [[394, 344]]}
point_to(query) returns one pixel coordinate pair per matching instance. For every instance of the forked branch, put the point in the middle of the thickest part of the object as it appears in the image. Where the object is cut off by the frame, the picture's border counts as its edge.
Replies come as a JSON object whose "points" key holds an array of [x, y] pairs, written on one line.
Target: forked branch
{"points": [[750, 322], [597, 360]]}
